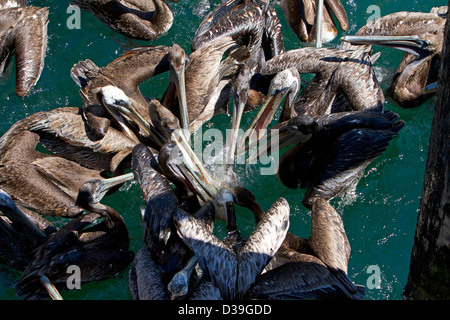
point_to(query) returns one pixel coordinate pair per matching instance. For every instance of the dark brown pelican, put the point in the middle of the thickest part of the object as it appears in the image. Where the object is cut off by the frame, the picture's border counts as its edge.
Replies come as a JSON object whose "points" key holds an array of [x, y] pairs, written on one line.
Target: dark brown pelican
{"points": [[252, 23], [127, 73], [21, 231], [165, 248], [143, 20], [301, 16], [46, 183], [333, 150], [233, 264], [145, 281], [421, 35], [23, 33], [314, 268], [99, 250]]}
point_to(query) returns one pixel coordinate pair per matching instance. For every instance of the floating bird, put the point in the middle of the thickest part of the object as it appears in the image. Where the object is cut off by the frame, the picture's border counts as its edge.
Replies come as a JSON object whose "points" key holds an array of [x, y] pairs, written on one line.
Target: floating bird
{"points": [[23, 33], [207, 80], [62, 131], [232, 265], [127, 73], [21, 231], [252, 23], [99, 250], [314, 268], [421, 35], [333, 150], [343, 81], [301, 16], [143, 20], [45, 183], [165, 248]]}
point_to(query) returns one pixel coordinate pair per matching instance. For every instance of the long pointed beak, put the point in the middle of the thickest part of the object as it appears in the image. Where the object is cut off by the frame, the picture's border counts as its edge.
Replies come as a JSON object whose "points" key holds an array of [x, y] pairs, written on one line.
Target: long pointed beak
{"points": [[120, 121], [189, 155], [13, 213], [431, 88], [235, 125], [284, 137], [109, 183], [180, 84], [261, 121], [411, 44], [134, 115], [52, 291]]}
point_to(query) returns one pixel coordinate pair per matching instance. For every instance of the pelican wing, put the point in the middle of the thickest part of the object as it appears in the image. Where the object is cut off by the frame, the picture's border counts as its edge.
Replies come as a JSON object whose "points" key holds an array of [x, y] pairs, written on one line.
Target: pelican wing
{"points": [[321, 61], [262, 244], [30, 42], [349, 156], [307, 278], [214, 257], [145, 281], [230, 19]]}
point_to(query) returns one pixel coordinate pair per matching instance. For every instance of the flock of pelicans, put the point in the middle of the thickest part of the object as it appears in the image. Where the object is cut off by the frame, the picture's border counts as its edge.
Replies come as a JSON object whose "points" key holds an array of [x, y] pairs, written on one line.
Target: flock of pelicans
{"points": [[335, 126]]}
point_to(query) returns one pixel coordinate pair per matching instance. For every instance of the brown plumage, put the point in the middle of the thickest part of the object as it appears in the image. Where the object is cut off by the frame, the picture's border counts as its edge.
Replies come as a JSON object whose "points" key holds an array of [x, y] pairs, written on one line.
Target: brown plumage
{"points": [[21, 231], [301, 16], [252, 23], [48, 183], [100, 250], [144, 20], [208, 80], [314, 268], [23, 33], [344, 80], [419, 66], [127, 73]]}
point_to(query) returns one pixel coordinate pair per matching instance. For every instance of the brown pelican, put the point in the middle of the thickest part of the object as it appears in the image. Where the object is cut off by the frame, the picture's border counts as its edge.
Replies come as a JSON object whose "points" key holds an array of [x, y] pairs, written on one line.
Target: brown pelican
{"points": [[23, 33], [99, 250], [207, 80], [127, 73], [21, 231], [62, 132], [46, 183], [165, 248], [333, 150], [233, 264], [337, 72], [252, 23], [301, 16], [145, 281], [144, 20], [314, 268], [421, 35]]}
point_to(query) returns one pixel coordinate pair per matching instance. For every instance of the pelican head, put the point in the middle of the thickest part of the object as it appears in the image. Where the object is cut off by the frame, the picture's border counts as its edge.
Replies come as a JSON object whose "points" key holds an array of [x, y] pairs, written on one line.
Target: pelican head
{"points": [[178, 60], [224, 203], [419, 45], [113, 96], [179, 285], [93, 191], [284, 83]]}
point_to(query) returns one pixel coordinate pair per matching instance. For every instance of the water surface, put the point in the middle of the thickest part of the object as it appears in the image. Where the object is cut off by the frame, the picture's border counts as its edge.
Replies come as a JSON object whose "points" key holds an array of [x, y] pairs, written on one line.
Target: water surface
{"points": [[379, 215]]}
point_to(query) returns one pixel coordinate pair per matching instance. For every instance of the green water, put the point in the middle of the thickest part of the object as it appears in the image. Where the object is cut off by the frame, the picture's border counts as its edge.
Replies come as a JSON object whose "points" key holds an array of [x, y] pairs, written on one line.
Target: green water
{"points": [[379, 216]]}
